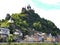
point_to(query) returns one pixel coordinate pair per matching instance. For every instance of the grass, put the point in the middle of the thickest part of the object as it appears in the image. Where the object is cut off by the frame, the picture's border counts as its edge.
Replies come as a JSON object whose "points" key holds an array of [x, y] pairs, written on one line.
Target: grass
{"points": [[31, 44]]}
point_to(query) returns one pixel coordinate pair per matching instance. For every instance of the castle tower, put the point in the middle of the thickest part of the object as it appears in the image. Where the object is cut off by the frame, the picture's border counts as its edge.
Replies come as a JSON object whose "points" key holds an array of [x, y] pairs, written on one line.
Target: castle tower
{"points": [[29, 7], [23, 10]]}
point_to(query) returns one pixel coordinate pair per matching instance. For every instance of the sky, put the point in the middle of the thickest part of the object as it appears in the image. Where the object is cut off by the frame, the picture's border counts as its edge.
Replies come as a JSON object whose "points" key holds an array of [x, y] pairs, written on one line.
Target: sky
{"points": [[48, 9]]}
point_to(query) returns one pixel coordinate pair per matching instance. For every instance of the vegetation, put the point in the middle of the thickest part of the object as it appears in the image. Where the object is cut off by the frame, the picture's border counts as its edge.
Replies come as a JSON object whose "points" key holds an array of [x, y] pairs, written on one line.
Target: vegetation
{"points": [[32, 44], [28, 19]]}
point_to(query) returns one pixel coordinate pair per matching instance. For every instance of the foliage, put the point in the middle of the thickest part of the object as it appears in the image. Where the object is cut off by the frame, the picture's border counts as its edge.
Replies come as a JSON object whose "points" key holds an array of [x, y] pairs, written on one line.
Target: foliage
{"points": [[32, 44], [37, 25], [10, 38], [29, 19], [5, 24]]}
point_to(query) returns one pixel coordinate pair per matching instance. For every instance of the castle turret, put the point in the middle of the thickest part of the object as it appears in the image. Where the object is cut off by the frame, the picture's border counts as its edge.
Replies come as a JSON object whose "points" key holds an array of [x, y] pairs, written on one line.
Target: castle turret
{"points": [[29, 7], [23, 10]]}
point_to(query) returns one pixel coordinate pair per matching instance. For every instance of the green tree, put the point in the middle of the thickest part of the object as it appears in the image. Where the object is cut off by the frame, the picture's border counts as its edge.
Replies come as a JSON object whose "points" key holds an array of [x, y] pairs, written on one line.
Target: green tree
{"points": [[10, 39], [37, 25]]}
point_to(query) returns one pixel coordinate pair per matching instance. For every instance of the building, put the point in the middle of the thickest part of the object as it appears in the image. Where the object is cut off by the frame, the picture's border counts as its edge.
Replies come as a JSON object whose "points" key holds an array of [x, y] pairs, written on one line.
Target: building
{"points": [[23, 10], [4, 32], [29, 7], [18, 35]]}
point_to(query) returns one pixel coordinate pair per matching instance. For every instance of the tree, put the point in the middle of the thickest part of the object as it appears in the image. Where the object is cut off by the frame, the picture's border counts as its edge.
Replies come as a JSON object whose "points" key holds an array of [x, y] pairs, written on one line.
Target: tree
{"points": [[11, 27], [37, 25], [3, 20], [7, 17], [10, 39]]}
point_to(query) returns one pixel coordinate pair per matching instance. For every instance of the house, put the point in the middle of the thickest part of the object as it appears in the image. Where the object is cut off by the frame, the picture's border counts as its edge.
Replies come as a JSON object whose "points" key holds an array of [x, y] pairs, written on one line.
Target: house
{"points": [[18, 32], [49, 38], [36, 37], [58, 38], [18, 35], [29, 38], [4, 32]]}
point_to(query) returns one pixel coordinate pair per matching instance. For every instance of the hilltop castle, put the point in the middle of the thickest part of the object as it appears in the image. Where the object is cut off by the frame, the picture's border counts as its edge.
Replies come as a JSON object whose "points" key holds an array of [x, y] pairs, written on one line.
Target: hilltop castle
{"points": [[28, 8]]}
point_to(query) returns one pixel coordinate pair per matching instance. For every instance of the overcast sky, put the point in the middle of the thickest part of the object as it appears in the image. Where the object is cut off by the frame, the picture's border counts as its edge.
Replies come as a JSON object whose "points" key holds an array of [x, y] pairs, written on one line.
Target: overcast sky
{"points": [[48, 9]]}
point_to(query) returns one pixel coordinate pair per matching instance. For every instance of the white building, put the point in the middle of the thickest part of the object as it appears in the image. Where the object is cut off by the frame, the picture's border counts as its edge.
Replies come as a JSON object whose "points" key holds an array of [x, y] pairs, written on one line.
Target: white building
{"points": [[4, 32], [18, 32], [18, 35]]}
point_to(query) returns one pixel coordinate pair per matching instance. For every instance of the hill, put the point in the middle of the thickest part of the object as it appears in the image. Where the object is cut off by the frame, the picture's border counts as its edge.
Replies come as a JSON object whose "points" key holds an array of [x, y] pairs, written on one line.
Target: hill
{"points": [[29, 20]]}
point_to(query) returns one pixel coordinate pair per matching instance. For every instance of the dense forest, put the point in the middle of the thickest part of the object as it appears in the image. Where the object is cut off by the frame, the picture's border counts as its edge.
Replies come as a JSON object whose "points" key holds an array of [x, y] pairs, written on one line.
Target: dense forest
{"points": [[28, 20]]}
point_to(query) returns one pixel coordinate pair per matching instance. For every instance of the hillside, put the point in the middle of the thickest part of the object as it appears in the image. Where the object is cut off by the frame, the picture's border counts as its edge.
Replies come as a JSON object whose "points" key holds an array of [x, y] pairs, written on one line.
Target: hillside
{"points": [[28, 20]]}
